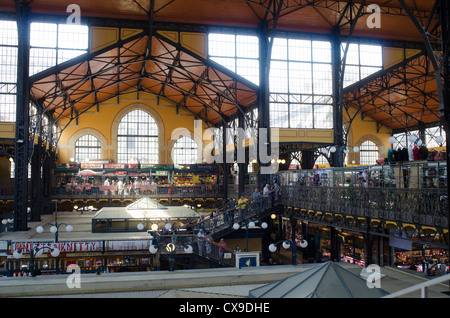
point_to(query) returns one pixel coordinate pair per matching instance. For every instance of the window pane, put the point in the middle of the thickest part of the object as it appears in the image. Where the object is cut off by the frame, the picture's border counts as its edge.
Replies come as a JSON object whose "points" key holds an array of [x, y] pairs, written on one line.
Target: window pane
{"points": [[43, 35], [321, 51], [371, 55], [299, 50], [137, 138], [72, 36], [300, 78], [221, 45], [8, 64], [278, 80], [8, 33], [41, 59], [323, 116], [247, 46], [322, 79], [301, 116], [86, 148], [279, 49], [279, 115], [184, 151], [368, 153]]}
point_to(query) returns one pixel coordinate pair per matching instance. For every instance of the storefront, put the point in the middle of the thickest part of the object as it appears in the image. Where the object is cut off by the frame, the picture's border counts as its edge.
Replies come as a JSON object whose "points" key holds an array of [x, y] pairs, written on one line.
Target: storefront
{"points": [[89, 256]]}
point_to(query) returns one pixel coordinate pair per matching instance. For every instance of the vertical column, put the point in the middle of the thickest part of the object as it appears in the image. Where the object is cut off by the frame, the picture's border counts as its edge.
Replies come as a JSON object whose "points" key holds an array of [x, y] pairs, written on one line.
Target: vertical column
{"points": [[334, 244], [338, 124], [243, 166], [36, 186], [225, 165], [444, 19], [22, 142], [263, 98]]}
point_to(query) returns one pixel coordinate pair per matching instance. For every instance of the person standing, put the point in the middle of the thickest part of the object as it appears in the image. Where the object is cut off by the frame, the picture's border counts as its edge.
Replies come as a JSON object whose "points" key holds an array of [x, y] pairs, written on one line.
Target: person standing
{"points": [[222, 246], [208, 244], [257, 201], [201, 242], [242, 203], [266, 196]]}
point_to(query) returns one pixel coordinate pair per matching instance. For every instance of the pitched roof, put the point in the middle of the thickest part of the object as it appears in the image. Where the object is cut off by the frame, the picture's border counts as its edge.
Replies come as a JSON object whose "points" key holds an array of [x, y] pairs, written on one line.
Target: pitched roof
{"points": [[327, 280]]}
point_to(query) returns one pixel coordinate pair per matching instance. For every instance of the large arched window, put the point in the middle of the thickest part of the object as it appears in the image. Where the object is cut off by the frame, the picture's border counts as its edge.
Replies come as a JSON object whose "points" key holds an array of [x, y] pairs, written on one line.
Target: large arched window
{"points": [[184, 151], [368, 153], [87, 147], [137, 138]]}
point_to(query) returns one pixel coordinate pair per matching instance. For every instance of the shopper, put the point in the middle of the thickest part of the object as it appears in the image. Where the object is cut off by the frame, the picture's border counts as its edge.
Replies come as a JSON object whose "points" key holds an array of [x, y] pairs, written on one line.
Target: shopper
{"points": [[257, 201], [266, 196], [201, 242], [209, 239], [242, 203], [222, 246]]}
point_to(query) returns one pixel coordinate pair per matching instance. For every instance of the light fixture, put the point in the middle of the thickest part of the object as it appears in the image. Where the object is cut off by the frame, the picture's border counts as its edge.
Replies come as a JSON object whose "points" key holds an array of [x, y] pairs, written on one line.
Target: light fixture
{"points": [[140, 226], [286, 244], [153, 249], [170, 247], [272, 248], [251, 224], [236, 226], [333, 149], [392, 140], [303, 243], [273, 216], [188, 249], [412, 138], [264, 225], [356, 149]]}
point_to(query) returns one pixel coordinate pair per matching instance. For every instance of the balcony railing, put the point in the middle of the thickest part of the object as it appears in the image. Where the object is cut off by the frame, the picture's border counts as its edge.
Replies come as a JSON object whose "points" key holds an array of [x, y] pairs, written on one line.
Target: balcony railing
{"points": [[427, 207]]}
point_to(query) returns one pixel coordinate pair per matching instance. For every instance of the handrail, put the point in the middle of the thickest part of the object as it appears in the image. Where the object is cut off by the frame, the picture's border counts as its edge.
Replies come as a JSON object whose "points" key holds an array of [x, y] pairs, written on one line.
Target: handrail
{"points": [[249, 201], [422, 286]]}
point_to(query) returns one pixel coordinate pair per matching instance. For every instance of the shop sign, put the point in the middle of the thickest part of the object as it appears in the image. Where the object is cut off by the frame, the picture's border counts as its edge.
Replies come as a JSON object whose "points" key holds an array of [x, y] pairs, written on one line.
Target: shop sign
{"points": [[114, 166], [156, 166], [64, 247], [133, 166], [134, 245], [92, 166], [160, 173], [206, 167], [66, 165], [121, 173]]}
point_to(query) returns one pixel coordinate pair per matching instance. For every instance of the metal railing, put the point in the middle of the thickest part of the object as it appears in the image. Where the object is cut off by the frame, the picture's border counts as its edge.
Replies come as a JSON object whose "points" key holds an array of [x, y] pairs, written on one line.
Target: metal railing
{"points": [[423, 287]]}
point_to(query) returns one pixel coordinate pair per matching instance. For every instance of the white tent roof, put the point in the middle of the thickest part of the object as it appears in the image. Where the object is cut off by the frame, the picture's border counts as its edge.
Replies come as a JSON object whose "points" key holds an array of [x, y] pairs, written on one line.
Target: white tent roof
{"points": [[146, 208], [327, 280]]}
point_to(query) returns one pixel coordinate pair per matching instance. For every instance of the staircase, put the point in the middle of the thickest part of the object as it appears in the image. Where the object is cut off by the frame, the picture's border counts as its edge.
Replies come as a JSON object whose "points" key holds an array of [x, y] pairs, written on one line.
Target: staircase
{"points": [[219, 226]]}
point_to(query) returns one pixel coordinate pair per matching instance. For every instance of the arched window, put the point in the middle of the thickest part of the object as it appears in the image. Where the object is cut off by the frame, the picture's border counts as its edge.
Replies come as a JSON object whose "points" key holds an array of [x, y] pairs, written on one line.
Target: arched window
{"points": [[87, 147], [368, 153], [184, 151], [137, 138]]}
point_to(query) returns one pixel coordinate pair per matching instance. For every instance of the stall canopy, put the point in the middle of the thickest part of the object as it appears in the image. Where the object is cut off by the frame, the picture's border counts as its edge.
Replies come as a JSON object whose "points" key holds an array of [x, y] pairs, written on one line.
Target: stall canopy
{"points": [[145, 209], [327, 280]]}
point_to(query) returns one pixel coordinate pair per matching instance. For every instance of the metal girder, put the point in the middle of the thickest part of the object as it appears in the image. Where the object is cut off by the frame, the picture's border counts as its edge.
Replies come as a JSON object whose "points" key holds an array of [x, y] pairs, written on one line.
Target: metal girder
{"points": [[337, 6], [22, 139], [173, 67], [407, 80]]}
